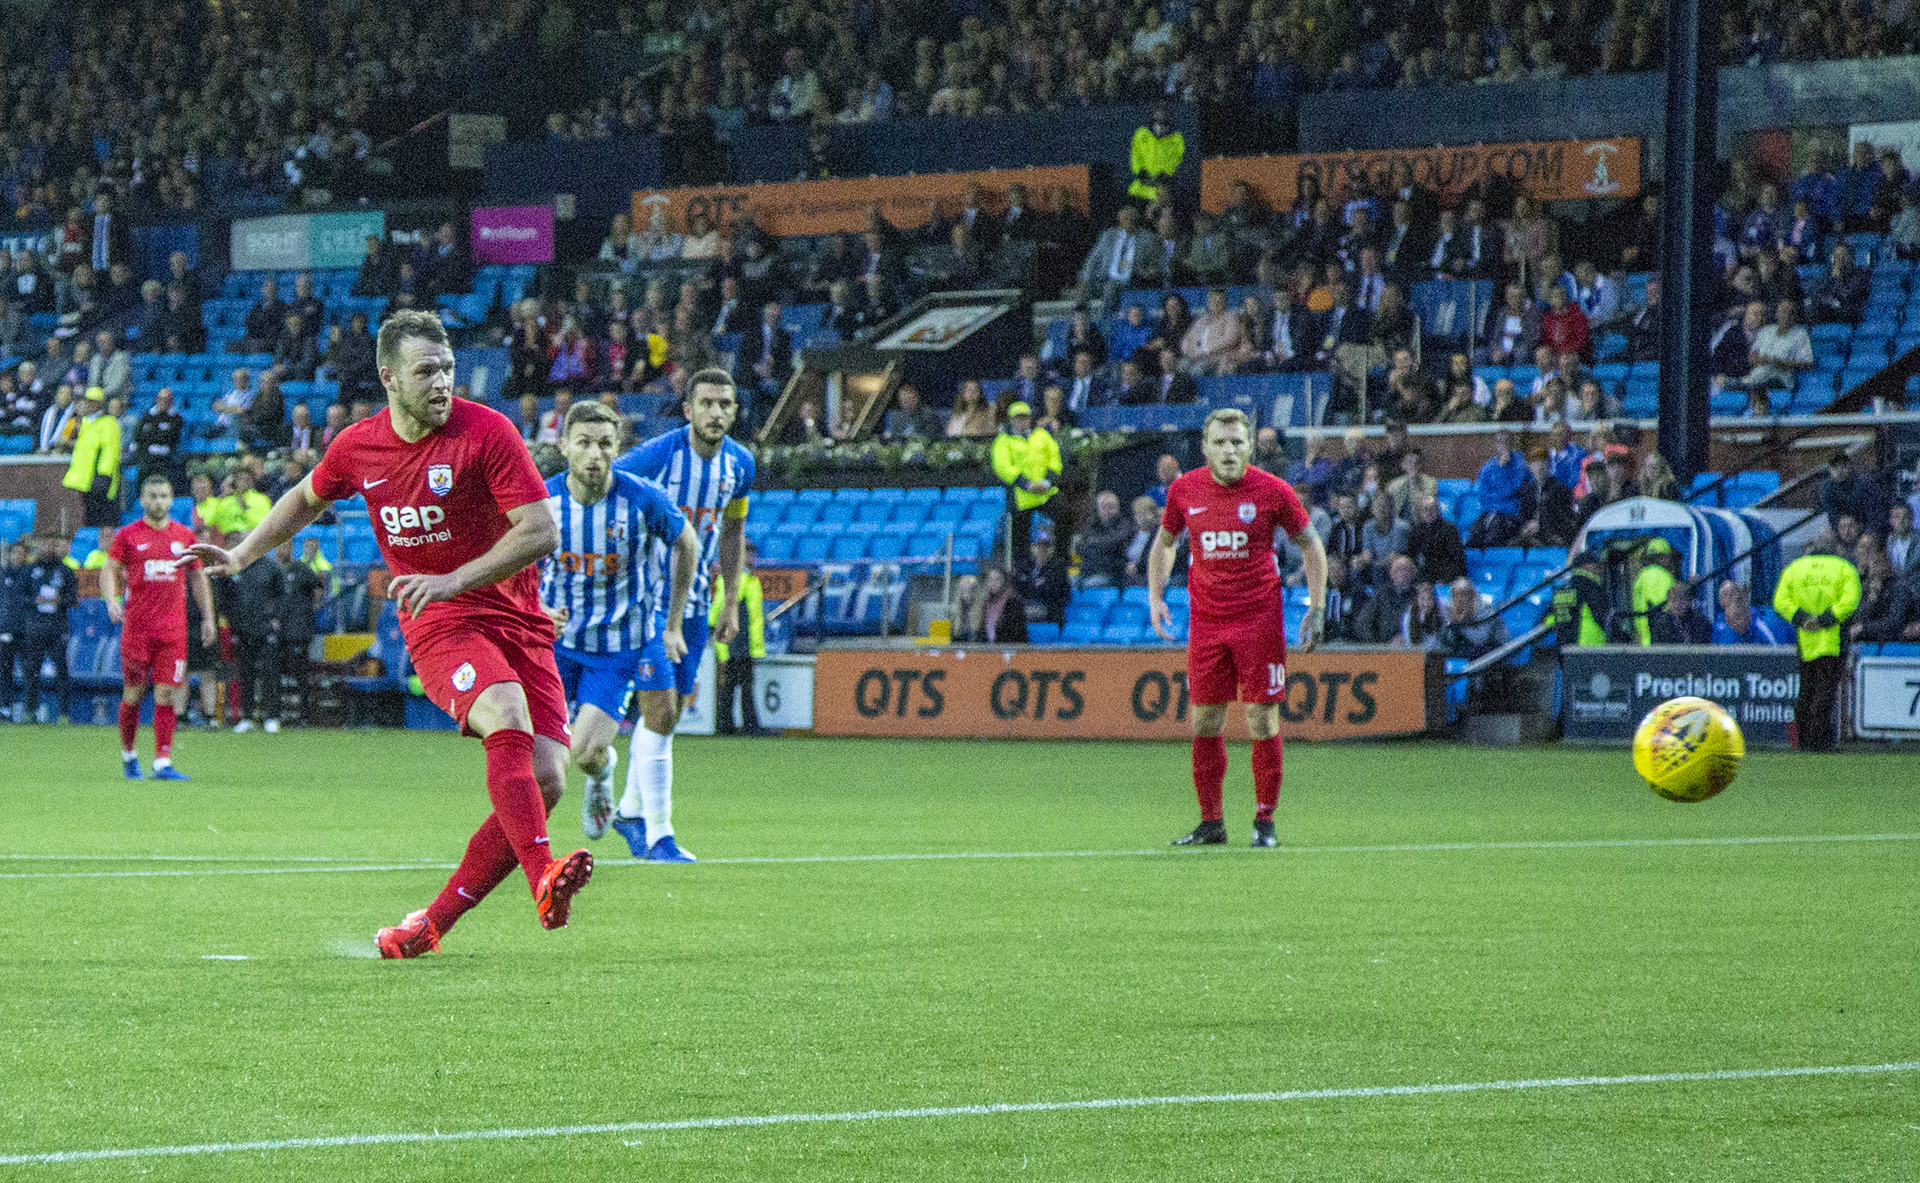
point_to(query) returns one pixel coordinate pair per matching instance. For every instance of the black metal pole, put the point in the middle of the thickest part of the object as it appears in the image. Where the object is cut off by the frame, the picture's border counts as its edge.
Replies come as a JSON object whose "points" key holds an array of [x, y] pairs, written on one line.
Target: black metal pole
{"points": [[1686, 234]]}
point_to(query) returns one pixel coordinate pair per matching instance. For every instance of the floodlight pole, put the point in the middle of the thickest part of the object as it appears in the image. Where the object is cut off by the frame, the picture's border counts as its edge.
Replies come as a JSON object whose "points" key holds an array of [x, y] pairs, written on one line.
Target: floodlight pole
{"points": [[1686, 233]]}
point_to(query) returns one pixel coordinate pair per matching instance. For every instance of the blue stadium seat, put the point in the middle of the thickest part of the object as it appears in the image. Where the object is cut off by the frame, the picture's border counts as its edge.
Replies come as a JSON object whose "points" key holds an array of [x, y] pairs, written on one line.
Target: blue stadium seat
{"points": [[774, 497], [777, 548], [887, 546], [814, 495], [1104, 597], [850, 493], [925, 493], [1137, 595], [1043, 632], [812, 548], [1078, 634], [1134, 615], [950, 512], [1119, 634], [1084, 613], [873, 510], [837, 513], [907, 514], [985, 511], [796, 513]]}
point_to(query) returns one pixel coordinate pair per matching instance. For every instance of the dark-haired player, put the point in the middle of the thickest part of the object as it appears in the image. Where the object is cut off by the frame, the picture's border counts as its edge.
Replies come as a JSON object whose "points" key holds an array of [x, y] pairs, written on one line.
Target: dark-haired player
{"points": [[1234, 514], [460, 514]]}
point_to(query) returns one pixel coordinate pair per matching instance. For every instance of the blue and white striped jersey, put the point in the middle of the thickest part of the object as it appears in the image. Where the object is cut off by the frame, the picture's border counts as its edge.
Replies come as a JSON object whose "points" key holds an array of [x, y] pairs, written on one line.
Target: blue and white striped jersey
{"points": [[703, 489], [610, 570]]}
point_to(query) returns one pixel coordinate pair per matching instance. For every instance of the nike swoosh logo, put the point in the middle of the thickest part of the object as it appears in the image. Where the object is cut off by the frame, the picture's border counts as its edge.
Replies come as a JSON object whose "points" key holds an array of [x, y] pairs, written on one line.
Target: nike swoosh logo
{"points": [[141, 546], [370, 484], [1196, 509]]}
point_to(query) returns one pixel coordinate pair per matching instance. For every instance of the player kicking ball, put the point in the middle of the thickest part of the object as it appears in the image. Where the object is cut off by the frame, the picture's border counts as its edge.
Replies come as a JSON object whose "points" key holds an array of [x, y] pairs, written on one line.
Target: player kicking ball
{"points": [[602, 589], [707, 474], [462, 517], [1237, 632], [144, 583]]}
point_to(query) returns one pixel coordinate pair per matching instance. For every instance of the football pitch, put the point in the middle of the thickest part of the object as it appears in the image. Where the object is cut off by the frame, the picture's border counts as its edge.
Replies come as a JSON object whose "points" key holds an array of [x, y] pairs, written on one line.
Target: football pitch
{"points": [[944, 961]]}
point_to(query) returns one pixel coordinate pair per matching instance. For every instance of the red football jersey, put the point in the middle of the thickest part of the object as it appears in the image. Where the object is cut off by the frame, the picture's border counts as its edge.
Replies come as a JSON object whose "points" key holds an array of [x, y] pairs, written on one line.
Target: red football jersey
{"points": [[157, 564], [441, 502], [1232, 531]]}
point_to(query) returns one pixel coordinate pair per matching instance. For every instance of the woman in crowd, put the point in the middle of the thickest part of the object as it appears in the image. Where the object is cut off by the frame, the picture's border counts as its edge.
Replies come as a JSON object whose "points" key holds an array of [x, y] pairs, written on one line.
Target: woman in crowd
{"points": [[990, 612], [1421, 625], [972, 413]]}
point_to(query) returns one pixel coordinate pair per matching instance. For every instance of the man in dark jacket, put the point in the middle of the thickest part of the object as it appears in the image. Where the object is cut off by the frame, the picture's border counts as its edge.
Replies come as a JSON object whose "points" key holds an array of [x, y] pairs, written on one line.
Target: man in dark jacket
{"points": [[258, 596], [1101, 545], [302, 590], [1433, 543], [1839, 296], [1043, 581], [265, 318], [1379, 622], [13, 608], [50, 589], [156, 441], [1682, 622]]}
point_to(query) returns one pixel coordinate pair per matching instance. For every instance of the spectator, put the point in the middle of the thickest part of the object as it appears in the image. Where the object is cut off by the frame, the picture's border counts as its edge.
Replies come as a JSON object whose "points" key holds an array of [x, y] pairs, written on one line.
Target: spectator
{"points": [[1463, 637], [1460, 406], [1739, 624], [1504, 485], [1550, 518], [1172, 387], [264, 422], [291, 473], [355, 368], [443, 265], [1643, 327], [1267, 453], [1840, 296], [1595, 295], [1887, 609], [1563, 325], [1131, 335], [1681, 623], [1382, 620], [1345, 532], [311, 309], [112, 239], [1028, 382], [1421, 626], [1410, 392], [1730, 350], [378, 275], [1146, 525], [1216, 343], [231, 405], [294, 352], [1043, 584], [1903, 542], [1111, 264], [989, 612], [59, 423], [1433, 543], [180, 329], [337, 423], [972, 414], [47, 589], [157, 438], [1101, 545], [1855, 494], [266, 319], [1027, 461], [1392, 329], [239, 511], [1412, 486], [180, 274], [112, 366], [769, 355], [911, 419], [95, 470], [1513, 328], [1086, 387], [1657, 479], [1166, 470], [1317, 471], [1781, 352], [1054, 415], [1381, 537]]}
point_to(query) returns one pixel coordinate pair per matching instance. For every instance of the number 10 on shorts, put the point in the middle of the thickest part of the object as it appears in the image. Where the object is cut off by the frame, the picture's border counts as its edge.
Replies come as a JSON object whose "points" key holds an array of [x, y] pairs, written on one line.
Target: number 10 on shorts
{"points": [[1276, 677]]}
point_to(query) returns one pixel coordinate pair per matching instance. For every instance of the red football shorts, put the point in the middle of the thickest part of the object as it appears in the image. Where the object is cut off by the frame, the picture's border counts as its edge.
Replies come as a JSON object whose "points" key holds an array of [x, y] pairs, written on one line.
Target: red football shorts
{"points": [[150, 661], [1246, 660], [456, 663]]}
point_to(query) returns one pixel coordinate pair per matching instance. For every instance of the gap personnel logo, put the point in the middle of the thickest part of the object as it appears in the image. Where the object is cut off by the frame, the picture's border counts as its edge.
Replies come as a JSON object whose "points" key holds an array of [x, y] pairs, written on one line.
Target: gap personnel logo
{"points": [[398, 519], [1247, 511], [1223, 544], [439, 479]]}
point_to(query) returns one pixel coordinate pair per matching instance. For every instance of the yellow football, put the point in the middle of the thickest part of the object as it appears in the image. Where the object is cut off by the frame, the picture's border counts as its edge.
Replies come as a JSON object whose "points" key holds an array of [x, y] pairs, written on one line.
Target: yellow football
{"points": [[1688, 749]]}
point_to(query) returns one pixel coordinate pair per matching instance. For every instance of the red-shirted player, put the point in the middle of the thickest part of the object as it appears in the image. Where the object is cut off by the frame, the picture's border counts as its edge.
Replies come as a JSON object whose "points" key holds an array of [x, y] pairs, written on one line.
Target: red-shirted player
{"points": [[145, 583], [460, 512], [1237, 633]]}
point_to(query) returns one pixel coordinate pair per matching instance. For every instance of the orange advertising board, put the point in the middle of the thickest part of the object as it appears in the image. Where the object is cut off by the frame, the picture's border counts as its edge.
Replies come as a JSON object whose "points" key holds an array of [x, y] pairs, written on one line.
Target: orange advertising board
{"points": [[781, 583], [1554, 170], [826, 207], [1054, 693]]}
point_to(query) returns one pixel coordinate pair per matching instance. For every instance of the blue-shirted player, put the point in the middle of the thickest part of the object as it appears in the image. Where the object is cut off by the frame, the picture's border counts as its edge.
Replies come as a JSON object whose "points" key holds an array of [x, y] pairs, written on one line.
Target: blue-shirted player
{"points": [[707, 474], [603, 587]]}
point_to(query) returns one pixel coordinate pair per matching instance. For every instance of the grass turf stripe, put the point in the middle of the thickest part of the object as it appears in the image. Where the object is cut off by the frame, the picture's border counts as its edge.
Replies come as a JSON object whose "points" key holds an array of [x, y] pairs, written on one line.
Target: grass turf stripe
{"points": [[773, 1119], [348, 865]]}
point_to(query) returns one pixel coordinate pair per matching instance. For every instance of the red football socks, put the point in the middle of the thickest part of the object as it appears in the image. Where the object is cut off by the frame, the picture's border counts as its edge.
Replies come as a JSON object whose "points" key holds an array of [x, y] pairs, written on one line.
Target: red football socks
{"points": [[129, 725], [1209, 772], [488, 862], [163, 721], [1266, 778], [516, 800]]}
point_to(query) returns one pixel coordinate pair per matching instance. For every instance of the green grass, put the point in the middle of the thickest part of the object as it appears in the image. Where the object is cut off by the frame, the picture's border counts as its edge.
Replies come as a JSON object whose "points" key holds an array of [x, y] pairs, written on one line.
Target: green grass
{"points": [[778, 988]]}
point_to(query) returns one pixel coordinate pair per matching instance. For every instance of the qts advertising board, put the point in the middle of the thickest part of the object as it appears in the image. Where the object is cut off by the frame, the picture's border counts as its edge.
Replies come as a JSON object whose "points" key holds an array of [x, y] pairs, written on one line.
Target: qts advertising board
{"points": [[1105, 694]]}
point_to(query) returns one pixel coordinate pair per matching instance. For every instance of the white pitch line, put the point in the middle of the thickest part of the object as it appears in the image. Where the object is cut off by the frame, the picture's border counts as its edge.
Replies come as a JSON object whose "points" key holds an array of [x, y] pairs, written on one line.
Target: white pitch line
{"points": [[948, 856], [776, 1119]]}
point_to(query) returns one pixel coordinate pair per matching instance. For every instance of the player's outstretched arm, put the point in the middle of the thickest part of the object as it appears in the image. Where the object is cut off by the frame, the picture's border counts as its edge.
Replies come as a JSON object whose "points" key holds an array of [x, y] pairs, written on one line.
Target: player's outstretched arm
{"points": [[202, 589], [294, 512], [531, 536], [686, 560], [1313, 564], [1160, 558]]}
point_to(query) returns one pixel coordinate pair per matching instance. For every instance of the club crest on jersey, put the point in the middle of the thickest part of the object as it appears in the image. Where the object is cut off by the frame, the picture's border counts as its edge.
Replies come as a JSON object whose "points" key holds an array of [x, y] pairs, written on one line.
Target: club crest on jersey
{"points": [[1247, 511], [463, 677], [179, 548], [439, 479]]}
